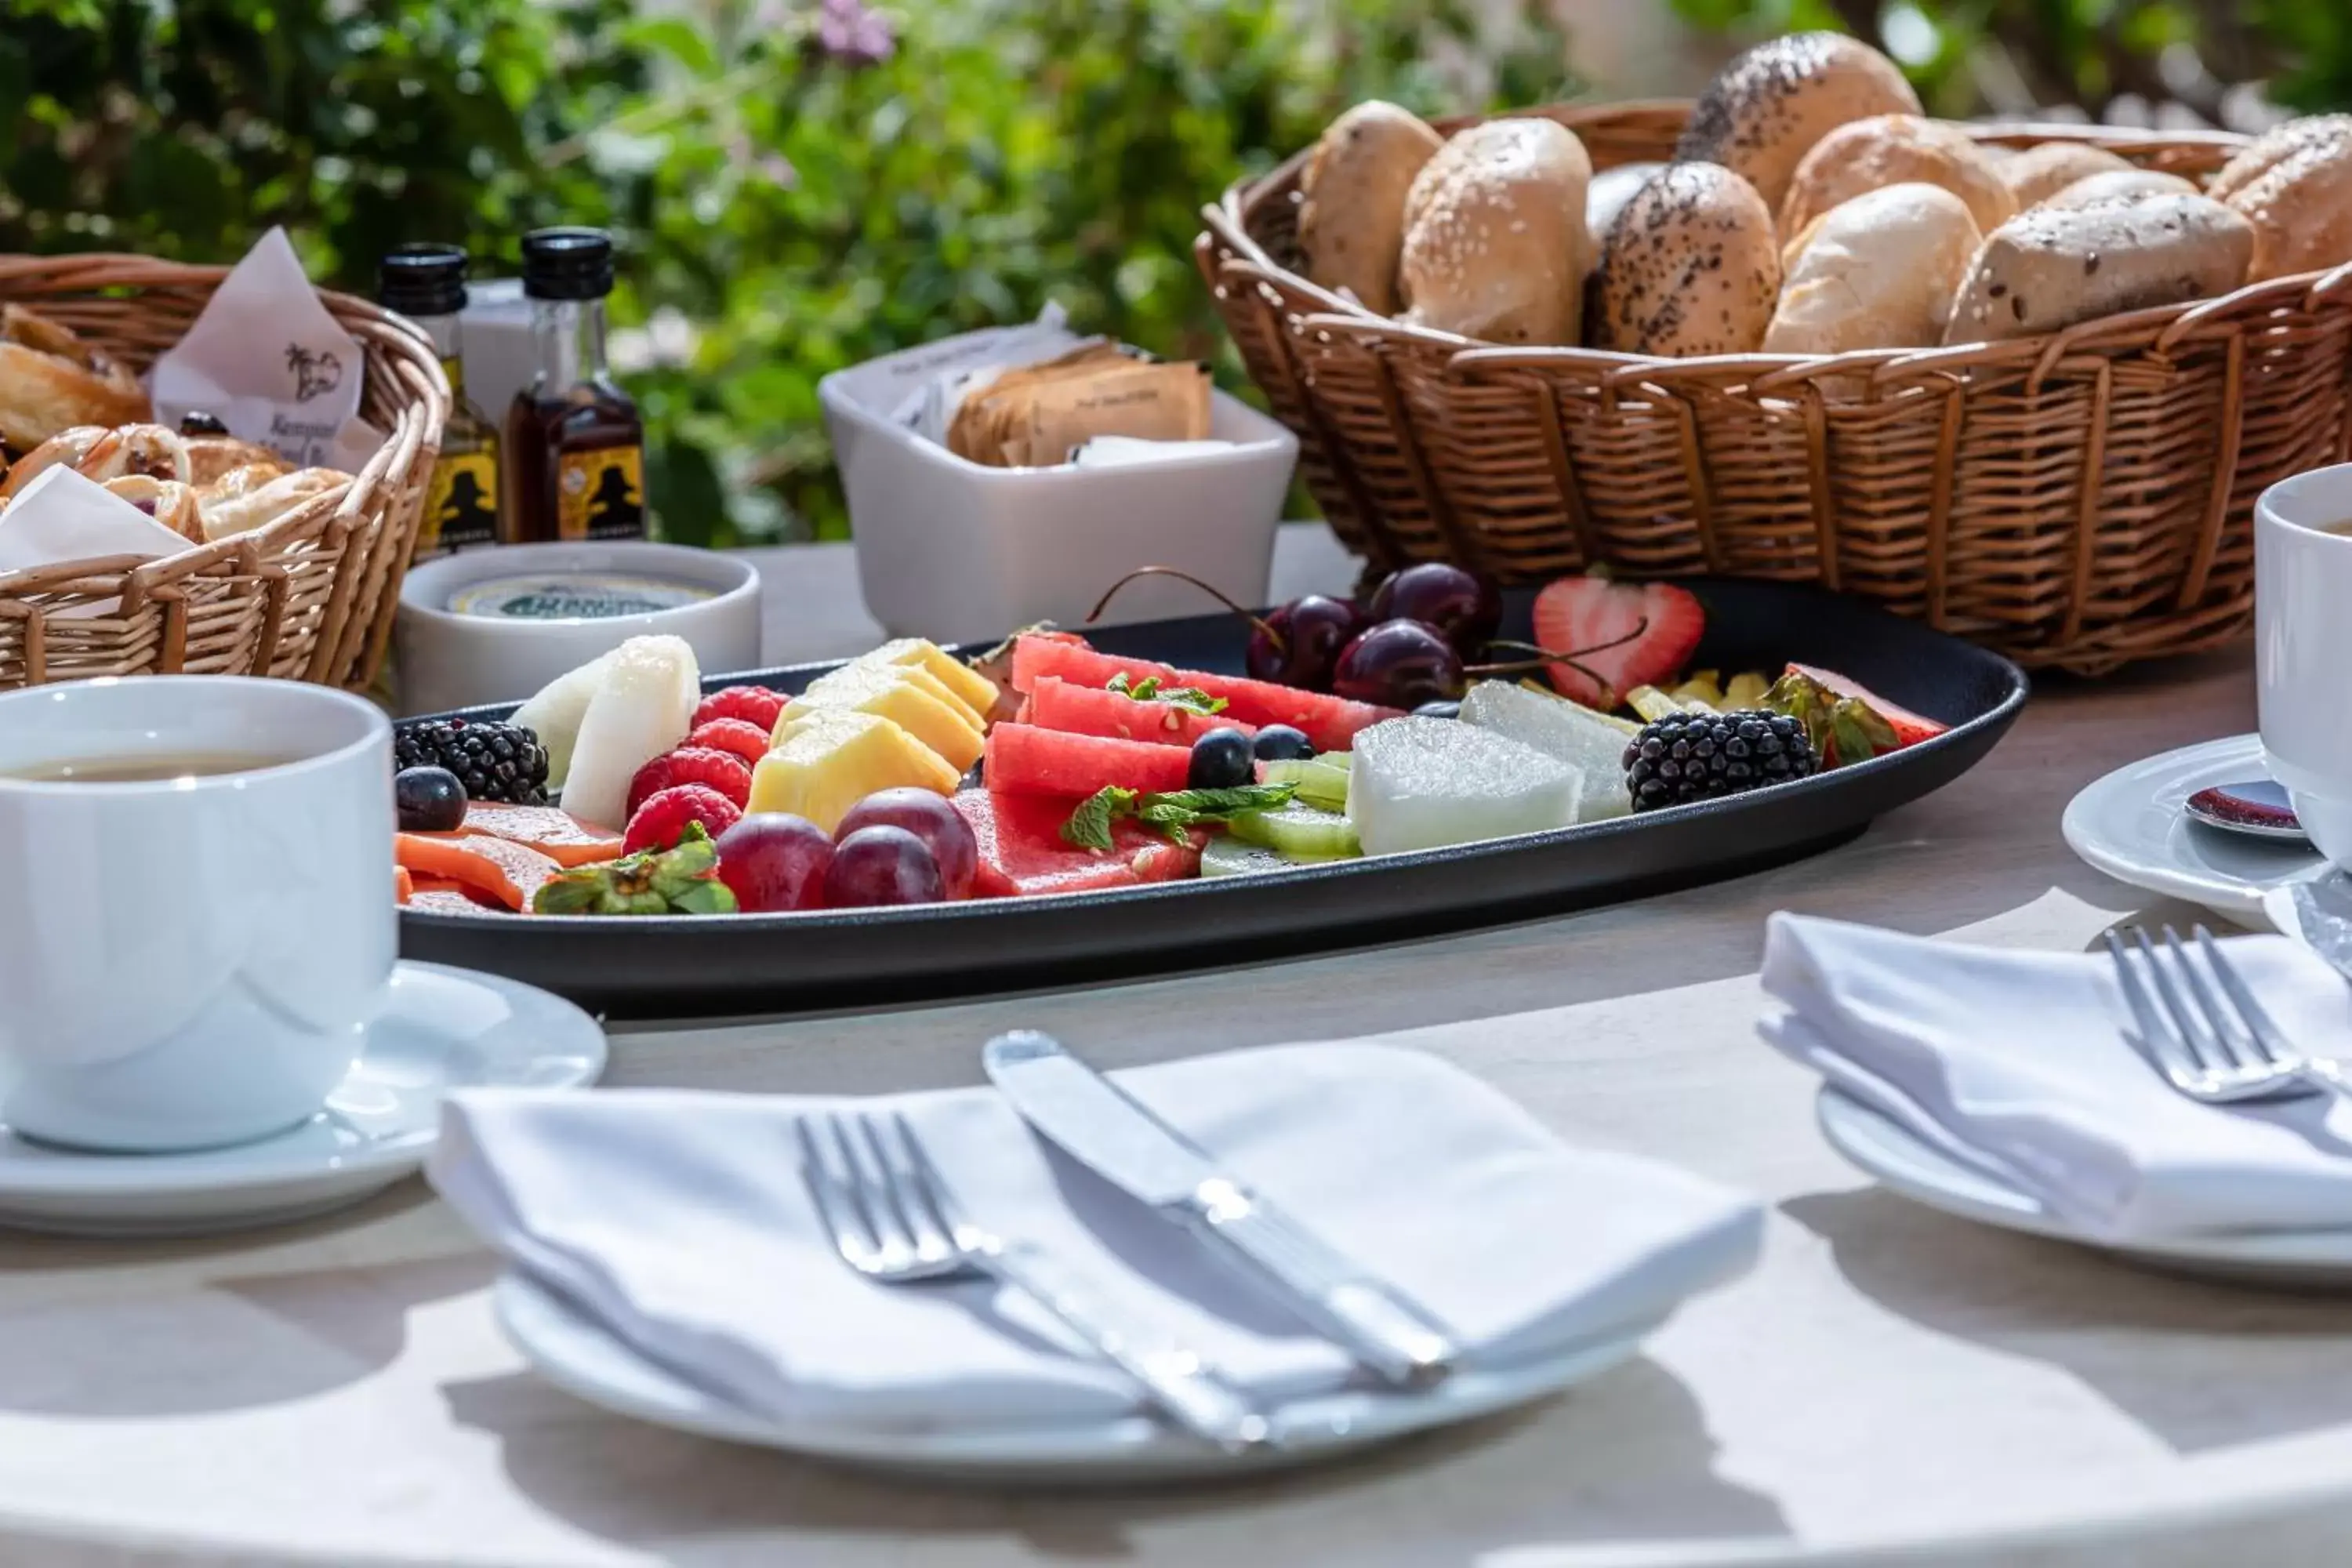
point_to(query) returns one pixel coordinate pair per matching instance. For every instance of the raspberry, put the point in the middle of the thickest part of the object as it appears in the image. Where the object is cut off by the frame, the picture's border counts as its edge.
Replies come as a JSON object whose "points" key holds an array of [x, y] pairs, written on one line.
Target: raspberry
{"points": [[753, 704], [738, 736], [661, 821], [722, 771]]}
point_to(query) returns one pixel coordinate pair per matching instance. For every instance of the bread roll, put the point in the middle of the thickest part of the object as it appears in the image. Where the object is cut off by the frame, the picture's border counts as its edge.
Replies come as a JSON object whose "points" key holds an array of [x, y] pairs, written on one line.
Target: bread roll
{"points": [[1351, 211], [1764, 111], [51, 381], [98, 453], [2301, 208], [1495, 243], [1691, 266], [2050, 267], [2277, 144], [2119, 186], [2037, 174], [225, 515], [211, 456], [1893, 148], [1879, 272]]}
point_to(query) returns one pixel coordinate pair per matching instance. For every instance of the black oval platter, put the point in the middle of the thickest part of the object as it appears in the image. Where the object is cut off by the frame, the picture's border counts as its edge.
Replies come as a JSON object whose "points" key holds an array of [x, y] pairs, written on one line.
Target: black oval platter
{"points": [[687, 966]]}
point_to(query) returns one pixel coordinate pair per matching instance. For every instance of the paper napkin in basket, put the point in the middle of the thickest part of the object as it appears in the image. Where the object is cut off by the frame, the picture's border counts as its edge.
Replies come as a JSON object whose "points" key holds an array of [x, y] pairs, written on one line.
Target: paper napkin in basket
{"points": [[2028, 1058], [680, 1222], [266, 360], [61, 516]]}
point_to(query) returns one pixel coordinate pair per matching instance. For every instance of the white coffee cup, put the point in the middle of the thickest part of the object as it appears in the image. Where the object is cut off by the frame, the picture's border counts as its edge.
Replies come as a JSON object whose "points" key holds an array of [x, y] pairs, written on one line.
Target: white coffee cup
{"points": [[2303, 656], [192, 961]]}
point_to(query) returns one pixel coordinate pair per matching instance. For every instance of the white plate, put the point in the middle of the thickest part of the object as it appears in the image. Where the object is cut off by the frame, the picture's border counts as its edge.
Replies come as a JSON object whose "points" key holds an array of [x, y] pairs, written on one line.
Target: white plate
{"points": [[442, 1029], [2130, 825], [580, 1357], [1904, 1163]]}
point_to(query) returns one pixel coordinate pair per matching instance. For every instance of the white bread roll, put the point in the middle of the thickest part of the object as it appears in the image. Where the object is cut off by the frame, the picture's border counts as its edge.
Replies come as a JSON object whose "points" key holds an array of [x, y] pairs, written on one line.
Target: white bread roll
{"points": [[2051, 267], [1691, 266], [2037, 174], [2300, 202], [1877, 272], [1894, 149], [1352, 208], [2277, 144], [1495, 242], [1607, 196], [2119, 186], [1764, 111]]}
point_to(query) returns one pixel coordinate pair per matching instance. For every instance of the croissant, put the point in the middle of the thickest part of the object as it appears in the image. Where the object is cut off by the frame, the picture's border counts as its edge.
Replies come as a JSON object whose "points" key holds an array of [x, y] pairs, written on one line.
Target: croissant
{"points": [[51, 381], [168, 501], [226, 514], [97, 453]]}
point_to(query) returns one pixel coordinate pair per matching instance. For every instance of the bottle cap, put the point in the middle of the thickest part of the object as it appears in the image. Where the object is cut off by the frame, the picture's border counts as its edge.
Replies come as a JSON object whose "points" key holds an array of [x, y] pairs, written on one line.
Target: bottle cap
{"points": [[567, 264], [422, 280]]}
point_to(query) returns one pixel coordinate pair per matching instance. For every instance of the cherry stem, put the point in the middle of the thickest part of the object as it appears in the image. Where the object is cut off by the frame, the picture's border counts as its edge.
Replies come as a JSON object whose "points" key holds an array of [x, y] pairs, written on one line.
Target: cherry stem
{"points": [[1280, 645], [1544, 656]]}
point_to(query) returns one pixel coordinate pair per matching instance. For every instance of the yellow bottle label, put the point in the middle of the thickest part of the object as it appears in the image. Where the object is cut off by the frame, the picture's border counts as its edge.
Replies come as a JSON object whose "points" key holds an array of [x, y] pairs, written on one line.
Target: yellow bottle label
{"points": [[601, 494], [461, 504]]}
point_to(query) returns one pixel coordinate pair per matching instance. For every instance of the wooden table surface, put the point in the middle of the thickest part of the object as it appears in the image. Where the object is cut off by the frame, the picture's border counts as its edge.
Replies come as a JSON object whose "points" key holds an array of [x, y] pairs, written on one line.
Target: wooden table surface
{"points": [[337, 1392]]}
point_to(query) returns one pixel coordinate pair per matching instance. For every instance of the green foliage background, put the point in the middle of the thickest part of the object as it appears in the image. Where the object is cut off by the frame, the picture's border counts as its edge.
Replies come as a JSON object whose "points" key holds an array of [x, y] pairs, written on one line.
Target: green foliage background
{"points": [[804, 213]]}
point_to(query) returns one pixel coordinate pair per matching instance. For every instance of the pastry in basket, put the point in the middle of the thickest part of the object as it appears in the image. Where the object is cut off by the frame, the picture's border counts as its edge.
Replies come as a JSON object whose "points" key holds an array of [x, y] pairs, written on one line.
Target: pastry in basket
{"points": [[2119, 186], [2049, 269], [241, 509], [212, 458], [1890, 149], [1693, 266], [98, 453], [51, 381], [1351, 200], [1876, 272], [2037, 174], [1764, 111], [1495, 243], [168, 501], [2294, 185]]}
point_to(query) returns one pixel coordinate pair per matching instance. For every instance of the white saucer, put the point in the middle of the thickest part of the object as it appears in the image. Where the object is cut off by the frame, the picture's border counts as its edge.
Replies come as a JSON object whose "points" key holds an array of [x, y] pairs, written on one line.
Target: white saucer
{"points": [[580, 1357], [442, 1029], [1907, 1164], [2130, 825]]}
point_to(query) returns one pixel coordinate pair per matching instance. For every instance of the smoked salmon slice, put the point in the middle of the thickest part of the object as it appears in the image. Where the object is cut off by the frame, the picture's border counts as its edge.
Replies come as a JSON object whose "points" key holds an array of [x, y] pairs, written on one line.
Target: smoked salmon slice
{"points": [[554, 832], [507, 872]]}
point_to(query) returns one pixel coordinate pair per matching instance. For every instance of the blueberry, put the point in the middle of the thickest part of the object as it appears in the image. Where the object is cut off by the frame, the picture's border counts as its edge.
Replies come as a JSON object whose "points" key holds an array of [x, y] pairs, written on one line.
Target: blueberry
{"points": [[1281, 743], [1222, 759], [1438, 709], [430, 800]]}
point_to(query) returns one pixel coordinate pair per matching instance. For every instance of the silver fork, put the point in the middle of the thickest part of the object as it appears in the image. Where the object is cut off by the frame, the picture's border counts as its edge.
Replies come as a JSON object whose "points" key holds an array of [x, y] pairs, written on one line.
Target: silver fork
{"points": [[2213, 1054], [894, 1220]]}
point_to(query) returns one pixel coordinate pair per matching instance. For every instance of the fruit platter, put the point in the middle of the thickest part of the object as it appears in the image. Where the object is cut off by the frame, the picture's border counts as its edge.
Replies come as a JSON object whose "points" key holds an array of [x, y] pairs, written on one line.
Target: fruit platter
{"points": [[1081, 804]]}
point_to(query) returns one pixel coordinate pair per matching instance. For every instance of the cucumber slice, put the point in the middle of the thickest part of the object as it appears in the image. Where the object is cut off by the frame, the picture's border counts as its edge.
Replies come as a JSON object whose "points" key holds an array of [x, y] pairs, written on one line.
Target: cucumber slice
{"points": [[1301, 832], [1321, 780], [1229, 856]]}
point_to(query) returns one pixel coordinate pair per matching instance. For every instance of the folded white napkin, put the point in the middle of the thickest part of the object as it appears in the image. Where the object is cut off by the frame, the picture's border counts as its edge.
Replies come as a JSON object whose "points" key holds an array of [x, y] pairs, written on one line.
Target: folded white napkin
{"points": [[266, 359], [680, 1221], [61, 516], [2030, 1058]]}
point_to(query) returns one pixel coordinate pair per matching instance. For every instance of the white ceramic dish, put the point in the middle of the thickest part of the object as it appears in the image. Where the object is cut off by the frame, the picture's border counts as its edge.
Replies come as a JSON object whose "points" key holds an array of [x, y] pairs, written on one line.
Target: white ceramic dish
{"points": [[578, 1356], [955, 551], [2131, 825], [1905, 1164], [447, 659], [441, 1029]]}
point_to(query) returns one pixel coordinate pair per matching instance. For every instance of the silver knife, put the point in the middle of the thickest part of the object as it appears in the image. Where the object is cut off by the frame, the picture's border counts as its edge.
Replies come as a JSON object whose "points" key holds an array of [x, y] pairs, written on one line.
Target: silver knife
{"points": [[1109, 1131]]}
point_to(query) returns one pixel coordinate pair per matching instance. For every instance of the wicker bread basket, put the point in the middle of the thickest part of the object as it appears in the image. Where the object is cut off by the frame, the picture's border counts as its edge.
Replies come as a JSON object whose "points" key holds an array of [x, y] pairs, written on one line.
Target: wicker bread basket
{"points": [[2078, 501], [308, 596]]}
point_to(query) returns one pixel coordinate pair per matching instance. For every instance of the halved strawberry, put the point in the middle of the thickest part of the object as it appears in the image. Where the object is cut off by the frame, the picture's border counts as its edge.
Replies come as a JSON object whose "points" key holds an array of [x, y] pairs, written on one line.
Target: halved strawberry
{"points": [[1587, 612], [1909, 728]]}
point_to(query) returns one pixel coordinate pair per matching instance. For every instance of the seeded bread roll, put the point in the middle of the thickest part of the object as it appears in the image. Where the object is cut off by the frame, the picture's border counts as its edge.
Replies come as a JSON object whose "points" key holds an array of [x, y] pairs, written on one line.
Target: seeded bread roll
{"points": [[2037, 174], [1495, 243], [1891, 149], [1764, 111], [2047, 268], [2277, 144], [2301, 208], [1876, 272], [2119, 186], [1351, 211], [1692, 267]]}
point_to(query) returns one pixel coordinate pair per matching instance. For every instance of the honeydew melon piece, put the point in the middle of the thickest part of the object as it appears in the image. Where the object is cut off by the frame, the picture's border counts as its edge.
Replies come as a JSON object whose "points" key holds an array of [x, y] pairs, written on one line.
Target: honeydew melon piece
{"points": [[643, 707], [1556, 727], [1421, 783], [935, 717], [829, 759], [555, 710]]}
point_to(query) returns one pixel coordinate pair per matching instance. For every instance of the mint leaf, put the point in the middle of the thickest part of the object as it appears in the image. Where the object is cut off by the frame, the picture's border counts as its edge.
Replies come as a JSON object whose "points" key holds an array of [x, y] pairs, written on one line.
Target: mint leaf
{"points": [[1089, 825], [1149, 689], [1217, 804]]}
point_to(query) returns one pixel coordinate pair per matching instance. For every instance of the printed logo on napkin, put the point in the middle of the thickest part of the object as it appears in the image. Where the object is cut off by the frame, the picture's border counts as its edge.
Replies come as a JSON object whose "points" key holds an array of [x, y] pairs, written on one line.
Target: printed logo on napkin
{"points": [[267, 360]]}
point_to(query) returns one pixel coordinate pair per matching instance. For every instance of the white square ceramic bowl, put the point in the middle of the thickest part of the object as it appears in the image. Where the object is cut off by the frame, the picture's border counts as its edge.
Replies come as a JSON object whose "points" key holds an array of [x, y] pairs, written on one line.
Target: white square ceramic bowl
{"points": [[958, 553]]}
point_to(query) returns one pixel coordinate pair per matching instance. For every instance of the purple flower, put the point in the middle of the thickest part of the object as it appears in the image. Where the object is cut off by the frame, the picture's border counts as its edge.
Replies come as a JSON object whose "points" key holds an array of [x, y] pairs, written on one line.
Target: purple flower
{"points": [[852, 33]]}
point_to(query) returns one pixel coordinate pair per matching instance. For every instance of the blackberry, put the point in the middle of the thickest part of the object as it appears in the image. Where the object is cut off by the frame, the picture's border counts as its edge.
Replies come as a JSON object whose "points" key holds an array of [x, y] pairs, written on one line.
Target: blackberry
{"points": [[493, 761], [1685, 757]]}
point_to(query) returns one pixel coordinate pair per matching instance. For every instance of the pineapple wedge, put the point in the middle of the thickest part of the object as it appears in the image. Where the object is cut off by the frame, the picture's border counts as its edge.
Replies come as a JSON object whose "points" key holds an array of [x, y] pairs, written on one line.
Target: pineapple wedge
{"points": [[827, 761], [973, 690], [889, 692]]}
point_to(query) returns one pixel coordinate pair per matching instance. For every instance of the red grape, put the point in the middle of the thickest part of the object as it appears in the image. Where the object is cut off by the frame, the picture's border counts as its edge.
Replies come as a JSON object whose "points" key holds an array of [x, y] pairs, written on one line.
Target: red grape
{"points": [[1399, 664], [1307, 633], [882, 864], [1465, 608], [929, 817], [774, 861]]}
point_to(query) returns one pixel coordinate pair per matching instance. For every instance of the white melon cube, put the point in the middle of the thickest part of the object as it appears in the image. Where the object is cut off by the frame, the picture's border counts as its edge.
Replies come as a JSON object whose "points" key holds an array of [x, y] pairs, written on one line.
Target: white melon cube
{"points": [[1557, 727], [1418, 783]]}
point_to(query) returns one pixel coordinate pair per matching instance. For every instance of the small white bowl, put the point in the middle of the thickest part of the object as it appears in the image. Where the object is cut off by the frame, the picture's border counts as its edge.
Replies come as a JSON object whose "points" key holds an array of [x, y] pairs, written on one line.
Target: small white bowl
{"points": [[450, 659], [952, 551]]}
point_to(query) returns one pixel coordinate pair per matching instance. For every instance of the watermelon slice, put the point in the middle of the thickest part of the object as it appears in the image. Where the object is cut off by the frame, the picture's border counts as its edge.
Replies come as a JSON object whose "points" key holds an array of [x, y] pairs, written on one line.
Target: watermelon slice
{"points": [[1910, 727], [1055, 704], [1022, 851], [1023, 758], [1330, 722]]}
